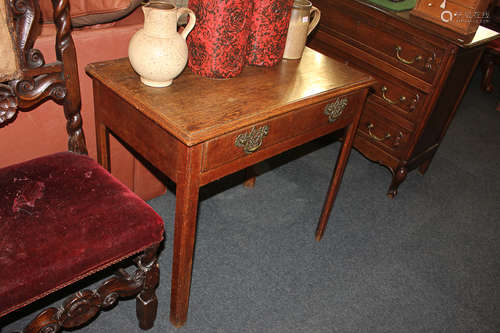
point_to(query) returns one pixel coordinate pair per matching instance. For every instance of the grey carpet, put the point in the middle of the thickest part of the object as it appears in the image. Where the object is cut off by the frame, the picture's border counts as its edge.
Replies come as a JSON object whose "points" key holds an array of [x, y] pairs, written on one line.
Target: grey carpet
{"points": [[427, 261]]}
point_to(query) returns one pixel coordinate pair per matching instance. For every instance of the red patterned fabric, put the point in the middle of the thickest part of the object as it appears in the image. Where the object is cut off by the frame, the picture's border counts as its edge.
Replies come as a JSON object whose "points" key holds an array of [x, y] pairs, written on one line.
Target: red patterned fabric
{"points": [[63, 217], [268, 31], [218, 41]]}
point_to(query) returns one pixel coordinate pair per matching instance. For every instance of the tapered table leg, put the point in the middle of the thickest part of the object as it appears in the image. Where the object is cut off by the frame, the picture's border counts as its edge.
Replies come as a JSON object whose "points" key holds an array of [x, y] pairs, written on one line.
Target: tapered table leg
{"points": [[102, 132], [102, 140], [250, 177], [342, 158], [186, 209]]}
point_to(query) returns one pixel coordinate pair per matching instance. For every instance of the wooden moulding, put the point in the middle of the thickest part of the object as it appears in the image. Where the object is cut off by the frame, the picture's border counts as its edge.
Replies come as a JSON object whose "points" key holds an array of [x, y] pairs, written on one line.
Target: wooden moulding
{"points": [[9, 66], [457, 20]]}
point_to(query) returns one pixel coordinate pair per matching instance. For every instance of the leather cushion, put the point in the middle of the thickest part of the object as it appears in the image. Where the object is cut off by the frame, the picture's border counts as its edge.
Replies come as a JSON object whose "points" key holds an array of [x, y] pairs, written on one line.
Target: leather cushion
{"points": [[91, 12], [63, 217]]}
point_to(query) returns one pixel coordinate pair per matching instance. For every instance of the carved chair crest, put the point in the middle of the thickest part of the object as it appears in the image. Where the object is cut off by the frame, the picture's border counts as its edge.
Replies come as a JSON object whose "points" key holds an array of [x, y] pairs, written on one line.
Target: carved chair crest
{"points": [[28, 80]]}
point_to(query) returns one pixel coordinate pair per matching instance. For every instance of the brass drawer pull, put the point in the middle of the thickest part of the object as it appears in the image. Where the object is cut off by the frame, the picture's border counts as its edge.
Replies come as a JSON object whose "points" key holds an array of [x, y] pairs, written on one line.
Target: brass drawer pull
{"points": [[384, 89], [404, 61], [251, 141], [428, 64], [398, 139], [413, 104], [334, 110], [373, 136]]}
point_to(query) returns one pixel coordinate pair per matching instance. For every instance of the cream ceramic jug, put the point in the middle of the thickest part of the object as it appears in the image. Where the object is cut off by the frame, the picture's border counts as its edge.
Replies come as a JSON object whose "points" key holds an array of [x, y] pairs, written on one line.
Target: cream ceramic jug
{"points": [[300, 27], [157, 52]]}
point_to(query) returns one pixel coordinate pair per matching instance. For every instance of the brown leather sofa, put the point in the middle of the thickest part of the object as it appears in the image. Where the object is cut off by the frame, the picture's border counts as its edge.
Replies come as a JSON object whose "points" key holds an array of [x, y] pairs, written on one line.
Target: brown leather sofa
{"points": [[104, 28]]}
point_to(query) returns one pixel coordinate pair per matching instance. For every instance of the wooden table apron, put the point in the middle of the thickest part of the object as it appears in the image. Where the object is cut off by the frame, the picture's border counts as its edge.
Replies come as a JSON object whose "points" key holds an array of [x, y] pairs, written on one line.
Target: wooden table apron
{"points": [[199, 130]]}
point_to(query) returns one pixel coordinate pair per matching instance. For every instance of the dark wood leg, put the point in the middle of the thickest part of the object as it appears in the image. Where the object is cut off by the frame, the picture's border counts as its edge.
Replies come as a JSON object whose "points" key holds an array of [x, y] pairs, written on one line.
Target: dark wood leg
{"points": [[249, 177], [397, 179], [186, 208], [336, 178], [489, 69], [425, 166], [146, 300]]}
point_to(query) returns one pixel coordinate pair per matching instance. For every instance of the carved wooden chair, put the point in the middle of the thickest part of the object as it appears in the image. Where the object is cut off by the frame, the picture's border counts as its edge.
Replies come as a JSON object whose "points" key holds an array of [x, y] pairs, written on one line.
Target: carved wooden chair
{"points": [[62, 216]]}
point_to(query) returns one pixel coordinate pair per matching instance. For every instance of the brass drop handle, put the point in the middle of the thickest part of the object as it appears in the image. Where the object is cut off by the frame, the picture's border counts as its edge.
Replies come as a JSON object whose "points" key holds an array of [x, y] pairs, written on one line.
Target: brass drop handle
{"points": [[428, 64], [414, 102], [384, 89], [404, 61], [251, 141], [373, 136]]}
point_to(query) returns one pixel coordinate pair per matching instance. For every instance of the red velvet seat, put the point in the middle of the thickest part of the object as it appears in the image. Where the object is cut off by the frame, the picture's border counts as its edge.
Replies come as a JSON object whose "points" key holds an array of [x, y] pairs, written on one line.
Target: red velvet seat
{"points": [[62, 217]]}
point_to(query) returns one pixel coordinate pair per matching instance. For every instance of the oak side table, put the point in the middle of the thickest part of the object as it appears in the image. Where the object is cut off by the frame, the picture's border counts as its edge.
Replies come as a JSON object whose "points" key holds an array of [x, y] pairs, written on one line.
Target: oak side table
{"points": [[199, 130]]}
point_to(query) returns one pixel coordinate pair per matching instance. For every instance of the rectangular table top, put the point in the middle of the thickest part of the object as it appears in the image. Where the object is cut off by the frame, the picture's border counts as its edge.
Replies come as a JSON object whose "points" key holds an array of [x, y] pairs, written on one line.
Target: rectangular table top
{"points": [[195, 109]]}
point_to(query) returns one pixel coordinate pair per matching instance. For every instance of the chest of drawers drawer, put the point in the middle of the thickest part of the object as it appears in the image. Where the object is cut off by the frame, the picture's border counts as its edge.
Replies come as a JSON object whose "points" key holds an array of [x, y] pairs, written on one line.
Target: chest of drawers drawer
{"points": [[393, 93], [322, 118], [380, 129], [402, 99], [402, 49]]}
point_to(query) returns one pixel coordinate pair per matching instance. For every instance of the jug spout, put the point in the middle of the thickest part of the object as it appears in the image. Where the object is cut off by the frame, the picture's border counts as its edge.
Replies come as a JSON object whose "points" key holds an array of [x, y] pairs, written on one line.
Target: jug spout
{"points": [[146, 10]]}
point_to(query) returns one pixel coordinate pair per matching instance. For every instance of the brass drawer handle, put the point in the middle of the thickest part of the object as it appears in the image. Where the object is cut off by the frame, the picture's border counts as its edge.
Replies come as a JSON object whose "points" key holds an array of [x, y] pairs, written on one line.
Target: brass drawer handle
{"points": [[384, 89], [251, 141], [334, 110], [414, 102], [428, 64], [404, 61], [373, 136]]}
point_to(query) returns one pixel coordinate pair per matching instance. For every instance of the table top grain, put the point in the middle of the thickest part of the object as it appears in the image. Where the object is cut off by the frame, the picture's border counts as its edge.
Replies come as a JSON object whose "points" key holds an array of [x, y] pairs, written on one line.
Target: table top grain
{"points": [[195, 109]]}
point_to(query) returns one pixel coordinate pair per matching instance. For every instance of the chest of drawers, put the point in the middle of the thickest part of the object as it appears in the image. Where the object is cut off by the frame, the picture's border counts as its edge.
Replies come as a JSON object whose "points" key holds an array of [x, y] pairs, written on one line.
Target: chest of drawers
{"points": [[421, 76]]}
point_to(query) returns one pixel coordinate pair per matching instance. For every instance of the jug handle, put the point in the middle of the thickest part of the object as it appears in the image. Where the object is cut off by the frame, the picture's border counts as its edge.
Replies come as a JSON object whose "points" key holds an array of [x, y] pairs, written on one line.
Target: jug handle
{"points": [[191, 22], [314, 22]]}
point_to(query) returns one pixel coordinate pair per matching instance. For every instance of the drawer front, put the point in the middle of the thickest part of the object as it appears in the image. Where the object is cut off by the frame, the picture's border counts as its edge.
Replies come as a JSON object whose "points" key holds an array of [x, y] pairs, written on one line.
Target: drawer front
{"points": [[333, 114], [394, 94], [400, 98], [401, 49], [383, 132]]}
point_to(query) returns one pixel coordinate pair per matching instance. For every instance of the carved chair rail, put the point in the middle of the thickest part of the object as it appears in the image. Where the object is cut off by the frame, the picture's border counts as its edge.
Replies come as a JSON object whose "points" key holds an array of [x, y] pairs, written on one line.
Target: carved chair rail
{"points": [[80, 308]]}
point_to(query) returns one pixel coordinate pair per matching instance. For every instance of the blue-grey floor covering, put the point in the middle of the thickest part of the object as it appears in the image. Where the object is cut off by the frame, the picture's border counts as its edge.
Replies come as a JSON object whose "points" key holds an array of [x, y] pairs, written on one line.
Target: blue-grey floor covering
{"points": [[427, 261]]}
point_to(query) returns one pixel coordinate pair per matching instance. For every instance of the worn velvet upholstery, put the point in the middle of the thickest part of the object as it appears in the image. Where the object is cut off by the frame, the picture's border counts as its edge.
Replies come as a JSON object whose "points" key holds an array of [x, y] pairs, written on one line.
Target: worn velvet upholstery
{"points": [[62, 217]]}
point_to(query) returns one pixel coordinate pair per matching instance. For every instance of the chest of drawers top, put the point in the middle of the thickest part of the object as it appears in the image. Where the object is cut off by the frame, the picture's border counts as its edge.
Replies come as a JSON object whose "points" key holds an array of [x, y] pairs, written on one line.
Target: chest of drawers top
{"points": [[388, 36], [407, 22]]}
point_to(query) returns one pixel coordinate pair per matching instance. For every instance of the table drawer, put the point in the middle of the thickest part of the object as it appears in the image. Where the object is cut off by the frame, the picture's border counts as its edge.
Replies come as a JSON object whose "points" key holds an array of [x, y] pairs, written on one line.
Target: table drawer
{"points": [[333, 114], [408, 52], [382, 131]]}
